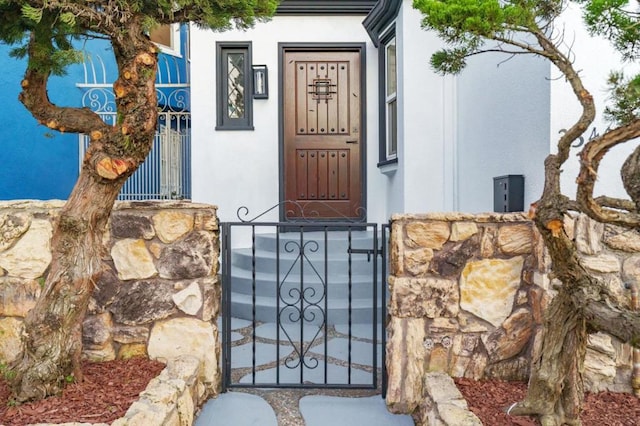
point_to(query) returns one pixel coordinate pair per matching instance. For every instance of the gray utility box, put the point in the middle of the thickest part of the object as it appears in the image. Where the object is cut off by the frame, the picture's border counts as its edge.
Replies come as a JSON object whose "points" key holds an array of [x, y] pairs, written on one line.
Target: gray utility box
{"points": [[508, 193]]}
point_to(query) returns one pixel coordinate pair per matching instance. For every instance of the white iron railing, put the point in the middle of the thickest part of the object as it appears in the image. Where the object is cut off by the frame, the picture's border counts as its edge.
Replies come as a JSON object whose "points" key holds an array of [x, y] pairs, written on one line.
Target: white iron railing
{"points": [[166, 173]]}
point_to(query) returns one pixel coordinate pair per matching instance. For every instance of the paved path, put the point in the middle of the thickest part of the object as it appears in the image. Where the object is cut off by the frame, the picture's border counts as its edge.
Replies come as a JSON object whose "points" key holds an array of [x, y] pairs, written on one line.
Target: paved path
{"points": [[301, 407]]}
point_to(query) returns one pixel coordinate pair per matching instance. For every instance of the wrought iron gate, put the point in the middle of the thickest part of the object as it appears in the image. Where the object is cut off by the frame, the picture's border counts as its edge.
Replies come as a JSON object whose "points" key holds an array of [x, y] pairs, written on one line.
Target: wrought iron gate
{"points": [[303, 304]]}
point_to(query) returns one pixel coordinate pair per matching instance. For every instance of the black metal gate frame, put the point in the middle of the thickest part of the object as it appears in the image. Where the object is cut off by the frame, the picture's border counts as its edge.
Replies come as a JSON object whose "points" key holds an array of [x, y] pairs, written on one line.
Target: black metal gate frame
{"points": [[378, 249]]}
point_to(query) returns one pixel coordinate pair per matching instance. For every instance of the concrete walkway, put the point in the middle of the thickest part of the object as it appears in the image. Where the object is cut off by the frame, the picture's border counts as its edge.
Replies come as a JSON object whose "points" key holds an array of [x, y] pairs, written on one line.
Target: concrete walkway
{"points": [[301, 407]]}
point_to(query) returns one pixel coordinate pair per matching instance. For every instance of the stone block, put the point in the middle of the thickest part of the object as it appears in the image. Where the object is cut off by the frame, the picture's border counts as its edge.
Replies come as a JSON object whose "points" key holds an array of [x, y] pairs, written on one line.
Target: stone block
{"points": [[131, 226], [187, 336], [416, 262], [515, 239], [451, 260], [10, 339], [143, 302], [488, 288], [132, 350], [605, 263], [396, 249], [424, 297], [205, 221], [132, 260], [159, 392], [170, 225], [30, 256], [96, 329], [185, 408], [405, 364], [212, 297], [192, 257], [18, 296], [441, 389], [599, 370], [143, 413], [510, 339], [631, 269], [488, 241], [588, 235], [427, 234], [103, 353], [127, 334], [106, 290], [462, 230], [189, 300], [12, 227], [617, 238], [453, 415]]}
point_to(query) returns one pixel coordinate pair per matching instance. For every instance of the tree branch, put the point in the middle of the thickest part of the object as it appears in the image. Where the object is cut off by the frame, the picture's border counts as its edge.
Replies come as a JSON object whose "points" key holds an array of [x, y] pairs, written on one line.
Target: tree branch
{"points": [[35, 98], [616, 203], [590, 158]]}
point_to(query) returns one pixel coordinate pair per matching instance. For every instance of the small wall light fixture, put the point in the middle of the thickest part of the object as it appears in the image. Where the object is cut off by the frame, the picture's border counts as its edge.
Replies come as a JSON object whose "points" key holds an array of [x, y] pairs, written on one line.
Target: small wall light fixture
{"points": [[260, 82]]}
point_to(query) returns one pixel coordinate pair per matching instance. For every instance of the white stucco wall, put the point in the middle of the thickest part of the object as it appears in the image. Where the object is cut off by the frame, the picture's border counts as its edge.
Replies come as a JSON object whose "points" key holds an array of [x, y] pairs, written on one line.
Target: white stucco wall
{"points": [[424, 102], [457, 133], [502, 127], [240, 168], [594, 58]]}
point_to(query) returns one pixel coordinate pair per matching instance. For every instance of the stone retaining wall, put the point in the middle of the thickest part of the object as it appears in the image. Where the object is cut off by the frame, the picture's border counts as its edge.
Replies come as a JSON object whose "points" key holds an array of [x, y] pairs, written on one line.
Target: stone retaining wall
{"points": [[168, 400], [467, 295], [443, 404], [159, 296]]}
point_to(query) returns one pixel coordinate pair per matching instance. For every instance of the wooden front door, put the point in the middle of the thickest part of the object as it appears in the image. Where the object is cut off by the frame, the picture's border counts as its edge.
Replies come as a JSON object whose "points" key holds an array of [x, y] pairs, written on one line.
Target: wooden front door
{"points": [[322, 134]]}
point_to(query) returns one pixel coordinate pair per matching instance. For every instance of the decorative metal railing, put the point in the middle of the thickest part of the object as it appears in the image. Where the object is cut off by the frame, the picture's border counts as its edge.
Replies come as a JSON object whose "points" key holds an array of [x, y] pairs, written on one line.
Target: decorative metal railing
{"points": [[316, 286], [166, 173]]}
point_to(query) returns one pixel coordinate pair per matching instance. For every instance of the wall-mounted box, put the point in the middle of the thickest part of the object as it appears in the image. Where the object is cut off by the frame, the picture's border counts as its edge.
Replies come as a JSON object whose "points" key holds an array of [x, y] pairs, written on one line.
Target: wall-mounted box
{"points": [[508, 193]]}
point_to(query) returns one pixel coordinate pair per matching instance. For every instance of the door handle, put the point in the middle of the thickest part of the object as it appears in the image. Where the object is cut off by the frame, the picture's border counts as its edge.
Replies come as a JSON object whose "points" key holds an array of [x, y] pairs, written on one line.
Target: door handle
{"points": [[353, 141]]}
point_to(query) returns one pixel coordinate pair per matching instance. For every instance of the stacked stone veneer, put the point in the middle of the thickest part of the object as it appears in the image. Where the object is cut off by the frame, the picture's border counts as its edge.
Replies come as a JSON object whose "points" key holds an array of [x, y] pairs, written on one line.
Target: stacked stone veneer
{"points": [[468, 293], [159, 296]]}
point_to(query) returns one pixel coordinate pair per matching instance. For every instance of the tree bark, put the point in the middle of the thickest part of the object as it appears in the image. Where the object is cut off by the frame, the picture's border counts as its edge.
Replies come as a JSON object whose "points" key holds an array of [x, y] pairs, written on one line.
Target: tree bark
{"points": [[53, 328]]}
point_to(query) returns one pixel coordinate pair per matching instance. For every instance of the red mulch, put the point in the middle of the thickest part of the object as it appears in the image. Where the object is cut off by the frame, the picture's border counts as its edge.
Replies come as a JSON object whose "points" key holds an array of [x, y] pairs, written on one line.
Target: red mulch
{"points": [[105, 394], [488, 399]]}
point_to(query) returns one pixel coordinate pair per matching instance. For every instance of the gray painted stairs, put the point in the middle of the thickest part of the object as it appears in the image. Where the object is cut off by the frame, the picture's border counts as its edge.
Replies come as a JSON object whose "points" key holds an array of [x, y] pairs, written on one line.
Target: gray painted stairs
{"points": [[324, 259]]}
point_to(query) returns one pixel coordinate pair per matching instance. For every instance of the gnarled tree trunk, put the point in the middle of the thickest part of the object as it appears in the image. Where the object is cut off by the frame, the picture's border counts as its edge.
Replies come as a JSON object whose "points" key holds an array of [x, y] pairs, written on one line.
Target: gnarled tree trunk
{"points": [[53, 328], [556, 391]]}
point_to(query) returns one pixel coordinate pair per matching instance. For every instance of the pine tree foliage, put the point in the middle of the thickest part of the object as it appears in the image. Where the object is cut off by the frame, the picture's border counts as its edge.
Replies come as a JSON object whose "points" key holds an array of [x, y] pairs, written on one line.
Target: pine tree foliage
{"points": [[66, 21]]}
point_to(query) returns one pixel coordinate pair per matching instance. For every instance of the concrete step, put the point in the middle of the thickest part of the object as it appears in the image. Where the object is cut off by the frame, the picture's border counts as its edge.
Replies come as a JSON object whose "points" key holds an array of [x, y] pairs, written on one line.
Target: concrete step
{"points": [[268, 261], [323, 270], [335, 241], [266, 309], [337, 285]]}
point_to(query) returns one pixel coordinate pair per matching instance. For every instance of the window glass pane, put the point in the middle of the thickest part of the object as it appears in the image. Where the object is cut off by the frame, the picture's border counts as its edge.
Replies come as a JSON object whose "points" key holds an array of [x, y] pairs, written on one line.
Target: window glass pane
{"points": [[235, 85], [391, 67], [392, 128]]}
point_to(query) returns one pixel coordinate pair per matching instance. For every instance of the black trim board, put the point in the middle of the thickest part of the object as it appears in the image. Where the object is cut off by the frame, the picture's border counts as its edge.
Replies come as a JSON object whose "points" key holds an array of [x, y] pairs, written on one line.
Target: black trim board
{"points": [[380, 17], [320, 47], [325, 7]]}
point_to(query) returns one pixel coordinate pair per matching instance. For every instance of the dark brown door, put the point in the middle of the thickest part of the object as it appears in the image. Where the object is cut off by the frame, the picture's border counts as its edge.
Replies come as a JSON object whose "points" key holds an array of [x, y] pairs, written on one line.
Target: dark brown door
{"points": [[322, 134]]}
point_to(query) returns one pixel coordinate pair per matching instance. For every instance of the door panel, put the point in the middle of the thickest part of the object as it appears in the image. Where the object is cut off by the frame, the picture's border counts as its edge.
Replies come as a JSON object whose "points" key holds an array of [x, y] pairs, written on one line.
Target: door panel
{"points": [[322, 158]]}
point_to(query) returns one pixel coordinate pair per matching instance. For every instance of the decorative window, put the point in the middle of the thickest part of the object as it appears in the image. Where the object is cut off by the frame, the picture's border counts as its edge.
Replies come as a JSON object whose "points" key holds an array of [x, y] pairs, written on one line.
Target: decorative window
{"points": [[388, 100], [234, 101], [167, 37]]}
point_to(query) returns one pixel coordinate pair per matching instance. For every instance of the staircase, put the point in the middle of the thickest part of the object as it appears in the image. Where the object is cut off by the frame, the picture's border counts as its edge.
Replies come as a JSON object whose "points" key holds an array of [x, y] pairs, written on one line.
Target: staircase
{"points": [[305, 276]]}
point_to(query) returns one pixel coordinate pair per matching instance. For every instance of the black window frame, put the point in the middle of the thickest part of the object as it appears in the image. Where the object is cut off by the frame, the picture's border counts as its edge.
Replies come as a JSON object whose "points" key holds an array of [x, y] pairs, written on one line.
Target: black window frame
{"points": [[224, 122], [384, 158]]}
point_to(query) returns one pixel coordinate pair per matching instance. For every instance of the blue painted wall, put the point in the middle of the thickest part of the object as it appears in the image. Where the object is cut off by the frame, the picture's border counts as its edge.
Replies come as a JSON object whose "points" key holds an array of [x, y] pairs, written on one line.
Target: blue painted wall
{"points": [[35, 163]]}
